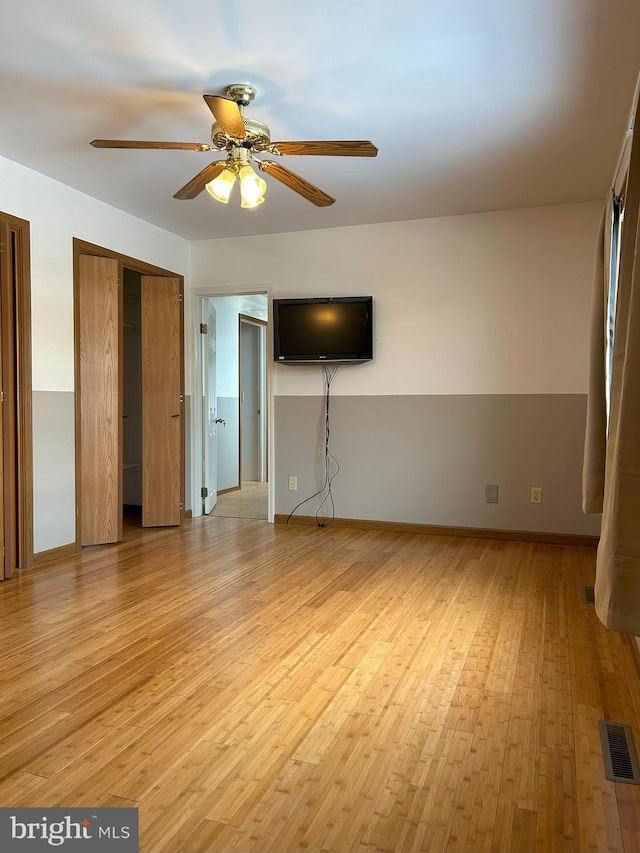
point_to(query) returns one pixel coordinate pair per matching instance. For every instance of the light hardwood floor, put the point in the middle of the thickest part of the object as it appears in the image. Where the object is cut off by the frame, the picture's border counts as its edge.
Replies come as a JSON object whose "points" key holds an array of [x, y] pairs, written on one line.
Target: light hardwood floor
{"points": [[253, 687]]}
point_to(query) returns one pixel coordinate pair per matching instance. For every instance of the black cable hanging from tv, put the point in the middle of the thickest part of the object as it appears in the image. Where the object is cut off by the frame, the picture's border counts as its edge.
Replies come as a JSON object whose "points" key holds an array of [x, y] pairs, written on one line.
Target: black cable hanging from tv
{"points": [[329, 461]]}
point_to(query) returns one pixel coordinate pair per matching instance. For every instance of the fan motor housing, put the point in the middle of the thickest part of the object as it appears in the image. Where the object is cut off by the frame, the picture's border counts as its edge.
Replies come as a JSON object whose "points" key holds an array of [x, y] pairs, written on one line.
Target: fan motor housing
{"points": [[258, 135]]}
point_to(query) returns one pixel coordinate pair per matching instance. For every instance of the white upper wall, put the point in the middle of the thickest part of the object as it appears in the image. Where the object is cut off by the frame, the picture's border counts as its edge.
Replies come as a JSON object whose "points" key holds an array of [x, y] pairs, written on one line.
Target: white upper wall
{"points": [[57, 214], [492, 303]]}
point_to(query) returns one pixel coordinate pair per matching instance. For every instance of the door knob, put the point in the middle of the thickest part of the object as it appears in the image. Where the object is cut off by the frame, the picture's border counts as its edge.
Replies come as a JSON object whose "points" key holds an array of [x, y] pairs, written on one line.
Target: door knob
{"points": [[220, 421]]}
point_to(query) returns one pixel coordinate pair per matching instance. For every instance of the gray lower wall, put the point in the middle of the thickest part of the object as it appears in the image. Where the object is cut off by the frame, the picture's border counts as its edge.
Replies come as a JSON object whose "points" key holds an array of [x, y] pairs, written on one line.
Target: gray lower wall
{"points": [[54, 486], [426, 459]]}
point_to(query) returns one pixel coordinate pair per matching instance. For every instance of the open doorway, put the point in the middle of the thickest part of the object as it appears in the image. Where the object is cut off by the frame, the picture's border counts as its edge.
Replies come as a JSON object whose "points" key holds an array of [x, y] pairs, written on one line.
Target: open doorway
{"points": [[234, 358], [131, 397], [101, 463]]}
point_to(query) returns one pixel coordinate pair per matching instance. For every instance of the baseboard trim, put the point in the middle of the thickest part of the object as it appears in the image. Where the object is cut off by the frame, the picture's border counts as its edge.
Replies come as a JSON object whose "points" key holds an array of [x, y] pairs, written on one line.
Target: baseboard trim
{"points": [[440, 530], [230, 489], [63, 552]]}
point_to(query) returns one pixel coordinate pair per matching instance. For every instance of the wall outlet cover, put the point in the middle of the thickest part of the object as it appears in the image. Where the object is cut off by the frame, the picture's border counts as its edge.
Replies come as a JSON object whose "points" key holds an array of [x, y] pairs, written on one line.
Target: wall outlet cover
{"points": [[491, 493]]}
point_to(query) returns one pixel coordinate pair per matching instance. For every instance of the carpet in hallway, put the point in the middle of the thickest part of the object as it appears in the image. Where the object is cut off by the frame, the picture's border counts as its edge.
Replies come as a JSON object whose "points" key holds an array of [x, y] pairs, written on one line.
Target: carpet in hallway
{"points": [[250, 501]]}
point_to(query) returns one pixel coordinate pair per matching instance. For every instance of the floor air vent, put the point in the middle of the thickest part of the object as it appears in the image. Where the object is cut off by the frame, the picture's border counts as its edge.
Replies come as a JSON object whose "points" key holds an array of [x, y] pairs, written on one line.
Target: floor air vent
{"points": [[619, 752], [588, 595]]}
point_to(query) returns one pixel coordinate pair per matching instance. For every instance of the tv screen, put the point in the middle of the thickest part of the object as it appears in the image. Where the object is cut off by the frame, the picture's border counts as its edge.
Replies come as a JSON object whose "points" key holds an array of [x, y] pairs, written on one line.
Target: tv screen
{"points": [[322, 329]]}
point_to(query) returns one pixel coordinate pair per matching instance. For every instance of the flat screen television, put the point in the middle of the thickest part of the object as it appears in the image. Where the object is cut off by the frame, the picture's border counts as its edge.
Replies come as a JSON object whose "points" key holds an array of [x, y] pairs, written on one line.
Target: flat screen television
{"points": [[323, 329]]}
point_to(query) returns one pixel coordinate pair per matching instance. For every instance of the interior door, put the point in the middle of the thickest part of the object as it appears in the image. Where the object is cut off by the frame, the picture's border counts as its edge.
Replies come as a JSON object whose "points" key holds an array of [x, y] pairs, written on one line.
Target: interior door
{"points": [[209, 408], [162, 402], [16, 454], [250, 400], [99, 319], [5, 273]]}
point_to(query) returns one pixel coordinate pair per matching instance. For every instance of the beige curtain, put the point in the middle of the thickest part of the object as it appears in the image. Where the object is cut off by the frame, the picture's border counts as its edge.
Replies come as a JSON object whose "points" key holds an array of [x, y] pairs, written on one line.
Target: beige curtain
{"points": [[595, 437], [617, 590]]}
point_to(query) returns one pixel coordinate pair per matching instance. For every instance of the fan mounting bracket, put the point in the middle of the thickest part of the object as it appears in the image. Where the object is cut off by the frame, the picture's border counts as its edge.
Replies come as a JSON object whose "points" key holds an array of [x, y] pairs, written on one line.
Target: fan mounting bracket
{"points": [[241, 93]]}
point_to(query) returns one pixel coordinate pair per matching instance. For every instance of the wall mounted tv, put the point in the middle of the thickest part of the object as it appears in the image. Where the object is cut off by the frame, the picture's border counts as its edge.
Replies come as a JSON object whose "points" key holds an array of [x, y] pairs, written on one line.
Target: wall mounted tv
{"points": [[323, 329]]}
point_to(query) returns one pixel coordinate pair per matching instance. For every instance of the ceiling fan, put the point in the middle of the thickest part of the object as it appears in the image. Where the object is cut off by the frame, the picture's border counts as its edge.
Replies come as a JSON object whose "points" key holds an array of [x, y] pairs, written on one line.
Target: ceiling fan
{"points": [[242, 138]]}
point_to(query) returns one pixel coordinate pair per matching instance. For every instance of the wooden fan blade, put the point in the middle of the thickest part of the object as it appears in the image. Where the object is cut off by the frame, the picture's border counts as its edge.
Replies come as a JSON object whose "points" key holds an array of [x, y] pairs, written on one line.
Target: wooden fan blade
{"points": [[354, 148], [227, 113], [131, 143], [197, 184], [296, 183]]}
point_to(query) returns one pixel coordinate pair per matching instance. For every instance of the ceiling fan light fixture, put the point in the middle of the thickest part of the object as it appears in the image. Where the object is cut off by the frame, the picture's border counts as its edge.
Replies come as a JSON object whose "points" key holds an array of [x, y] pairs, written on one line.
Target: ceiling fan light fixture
{"points": [[252, 188], [242, 138], [220, 187]]}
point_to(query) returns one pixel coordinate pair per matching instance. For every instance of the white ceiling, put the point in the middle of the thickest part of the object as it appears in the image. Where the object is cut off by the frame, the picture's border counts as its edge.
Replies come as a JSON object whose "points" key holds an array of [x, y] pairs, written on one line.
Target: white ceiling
{"points": [[474, 104]]}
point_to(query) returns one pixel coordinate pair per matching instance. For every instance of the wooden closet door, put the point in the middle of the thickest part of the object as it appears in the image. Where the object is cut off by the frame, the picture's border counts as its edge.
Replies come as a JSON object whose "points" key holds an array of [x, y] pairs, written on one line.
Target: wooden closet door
{"points": [[99, 317], [9, 477], [5, 275], [162, 402]]}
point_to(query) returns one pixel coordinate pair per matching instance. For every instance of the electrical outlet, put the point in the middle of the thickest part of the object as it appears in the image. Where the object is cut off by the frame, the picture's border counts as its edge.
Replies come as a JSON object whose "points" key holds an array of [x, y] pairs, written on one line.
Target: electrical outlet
{"points": [[293, 484], [536, 494]]}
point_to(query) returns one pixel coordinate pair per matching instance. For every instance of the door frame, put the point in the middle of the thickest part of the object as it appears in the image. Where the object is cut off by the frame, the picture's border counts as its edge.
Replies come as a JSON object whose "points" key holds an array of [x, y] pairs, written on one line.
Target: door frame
{"points": [[81, 247], [23, 409], [263, 438]]}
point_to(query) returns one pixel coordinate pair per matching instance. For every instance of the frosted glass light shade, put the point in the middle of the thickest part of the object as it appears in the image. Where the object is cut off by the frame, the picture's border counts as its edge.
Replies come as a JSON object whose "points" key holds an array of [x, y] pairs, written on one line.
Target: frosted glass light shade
{"points": [[220, 187], [252, 188]]}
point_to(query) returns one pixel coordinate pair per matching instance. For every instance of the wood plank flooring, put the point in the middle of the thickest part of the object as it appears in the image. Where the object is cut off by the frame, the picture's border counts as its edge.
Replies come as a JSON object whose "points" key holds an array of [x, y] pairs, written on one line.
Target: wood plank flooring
{"points": [[252, 687]]}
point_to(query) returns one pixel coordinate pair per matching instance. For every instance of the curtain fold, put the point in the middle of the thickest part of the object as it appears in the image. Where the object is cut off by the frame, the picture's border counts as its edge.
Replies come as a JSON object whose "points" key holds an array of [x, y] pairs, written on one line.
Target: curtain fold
{"points": [[617, 589], [596, 429]]}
